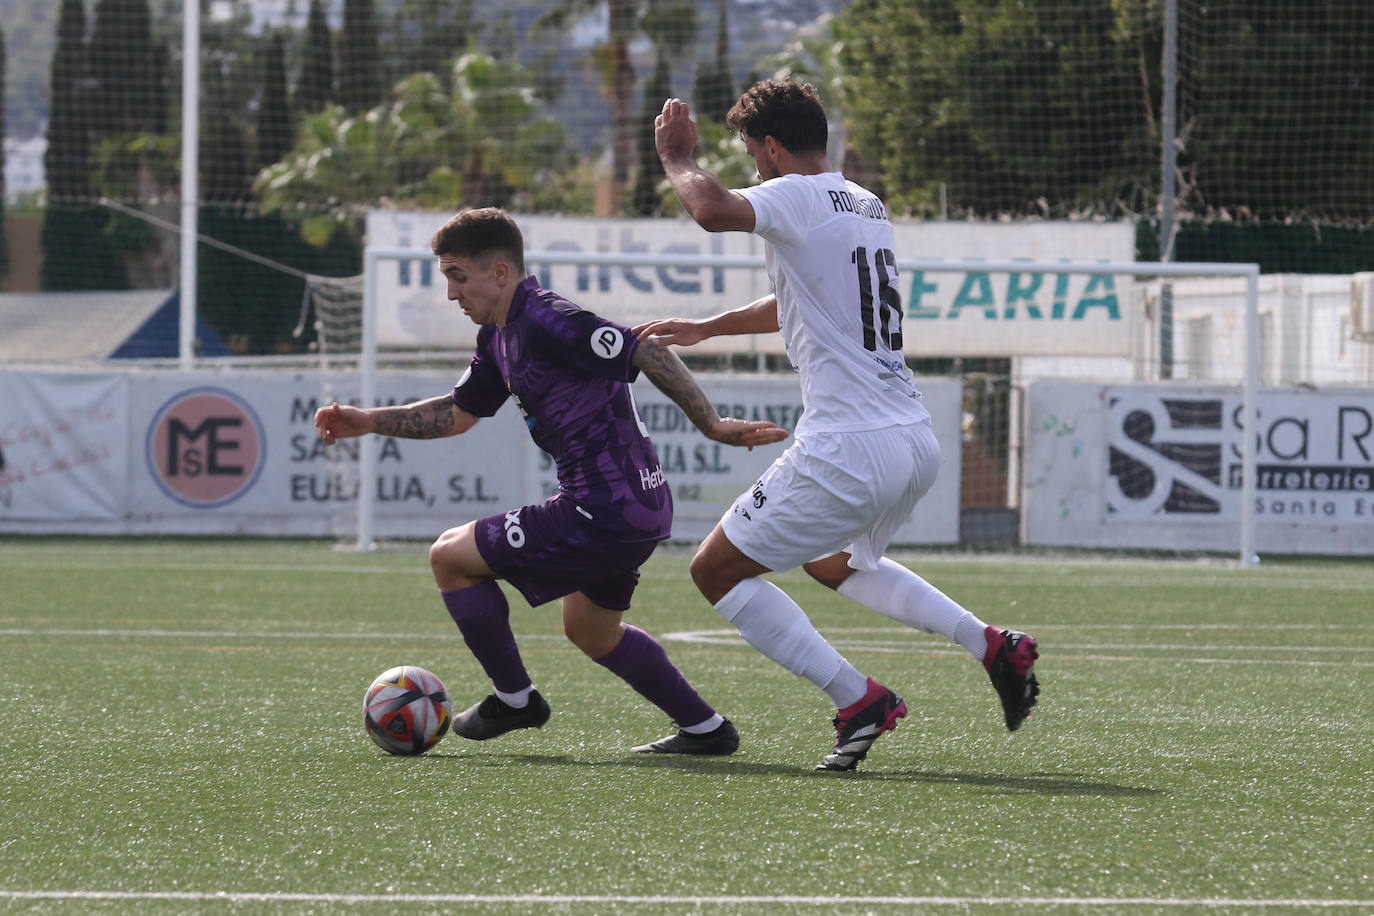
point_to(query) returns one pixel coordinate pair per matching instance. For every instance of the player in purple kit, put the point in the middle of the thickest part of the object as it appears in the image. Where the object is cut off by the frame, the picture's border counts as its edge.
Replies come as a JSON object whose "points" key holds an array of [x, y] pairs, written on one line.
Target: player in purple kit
{"points": [[568, 371]]}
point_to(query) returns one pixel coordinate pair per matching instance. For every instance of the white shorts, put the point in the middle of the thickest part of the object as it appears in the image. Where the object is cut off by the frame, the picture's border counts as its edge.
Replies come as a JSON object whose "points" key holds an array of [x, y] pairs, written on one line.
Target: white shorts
{"points": [[834, 491]]}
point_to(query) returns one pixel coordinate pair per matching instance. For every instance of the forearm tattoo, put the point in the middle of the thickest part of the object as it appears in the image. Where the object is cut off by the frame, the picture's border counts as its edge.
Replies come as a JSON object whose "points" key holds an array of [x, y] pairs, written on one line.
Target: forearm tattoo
{"points": [[671, 376], [428, 419]]}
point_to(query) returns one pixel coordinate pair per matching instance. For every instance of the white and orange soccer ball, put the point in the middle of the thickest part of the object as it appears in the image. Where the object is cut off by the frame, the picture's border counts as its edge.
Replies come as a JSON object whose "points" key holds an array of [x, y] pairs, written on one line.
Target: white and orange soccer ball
{"points": [[406, 710]]}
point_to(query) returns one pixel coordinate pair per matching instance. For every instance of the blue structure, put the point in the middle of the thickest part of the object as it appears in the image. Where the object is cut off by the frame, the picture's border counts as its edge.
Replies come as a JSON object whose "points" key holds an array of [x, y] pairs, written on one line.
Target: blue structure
{"points": [[159, 336]]}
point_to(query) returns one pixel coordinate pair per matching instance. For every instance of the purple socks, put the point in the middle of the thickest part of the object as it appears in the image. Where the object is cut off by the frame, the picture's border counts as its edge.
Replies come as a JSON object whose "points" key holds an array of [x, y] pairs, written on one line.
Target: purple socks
{"points": [[483, 617], [640, 661]]}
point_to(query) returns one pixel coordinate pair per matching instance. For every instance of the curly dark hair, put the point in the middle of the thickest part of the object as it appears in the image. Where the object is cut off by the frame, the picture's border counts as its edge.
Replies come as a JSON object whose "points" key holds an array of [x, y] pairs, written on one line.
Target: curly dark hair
{"points": [[789, 112], [479, 233]]}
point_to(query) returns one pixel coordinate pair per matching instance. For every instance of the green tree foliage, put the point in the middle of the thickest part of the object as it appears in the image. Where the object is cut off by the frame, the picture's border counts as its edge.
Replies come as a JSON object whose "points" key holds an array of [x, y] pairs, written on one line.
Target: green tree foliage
{"points": [[226, 174], [646, 199], [671, 27], [274, 132], [252, 306], [1037, 107], [432, 33], [124, 71], [66, 160], [75, 253], [315, 89], [427, 148], [1277, 105], [361, 85]]}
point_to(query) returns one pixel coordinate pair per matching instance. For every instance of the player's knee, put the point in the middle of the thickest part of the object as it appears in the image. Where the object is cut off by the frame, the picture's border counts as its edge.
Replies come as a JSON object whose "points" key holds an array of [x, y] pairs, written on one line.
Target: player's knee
{"points": [[594, 642], [827, 572], [441, 560], [705, 576]]}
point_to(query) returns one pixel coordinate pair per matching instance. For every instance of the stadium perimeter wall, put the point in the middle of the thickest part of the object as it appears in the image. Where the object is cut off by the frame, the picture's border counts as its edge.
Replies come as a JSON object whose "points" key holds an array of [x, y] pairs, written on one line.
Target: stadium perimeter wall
{"points": [[1157, 466], [216, 452], [1124, 464]]}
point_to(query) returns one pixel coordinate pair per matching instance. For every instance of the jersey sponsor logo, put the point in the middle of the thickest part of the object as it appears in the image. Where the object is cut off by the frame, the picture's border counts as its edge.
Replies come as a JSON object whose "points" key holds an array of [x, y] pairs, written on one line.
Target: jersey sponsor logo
{"points": [[515, 535], [607, 342], [649, 480]]}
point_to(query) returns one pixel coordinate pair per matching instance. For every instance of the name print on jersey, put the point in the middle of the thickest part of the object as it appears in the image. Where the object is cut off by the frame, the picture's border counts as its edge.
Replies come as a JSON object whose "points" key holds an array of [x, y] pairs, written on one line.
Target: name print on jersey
{"points": [[845, 202]]}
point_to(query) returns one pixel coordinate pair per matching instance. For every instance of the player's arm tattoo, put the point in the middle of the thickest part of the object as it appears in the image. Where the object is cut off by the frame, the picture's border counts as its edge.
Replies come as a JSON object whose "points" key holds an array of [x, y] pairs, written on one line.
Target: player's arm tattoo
{"points": [[429, 419], [672, 377]]}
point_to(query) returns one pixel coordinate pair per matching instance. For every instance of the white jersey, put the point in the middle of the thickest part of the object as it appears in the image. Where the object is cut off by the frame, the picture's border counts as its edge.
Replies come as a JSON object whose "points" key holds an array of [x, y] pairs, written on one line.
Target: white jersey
{"points": [[829, 248]]}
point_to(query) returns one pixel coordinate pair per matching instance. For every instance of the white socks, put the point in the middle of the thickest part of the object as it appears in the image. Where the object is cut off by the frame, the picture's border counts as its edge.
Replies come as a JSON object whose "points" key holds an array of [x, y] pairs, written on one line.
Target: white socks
{"points": [[704, 726], [772, 622], [895, 591], [518, 700]]}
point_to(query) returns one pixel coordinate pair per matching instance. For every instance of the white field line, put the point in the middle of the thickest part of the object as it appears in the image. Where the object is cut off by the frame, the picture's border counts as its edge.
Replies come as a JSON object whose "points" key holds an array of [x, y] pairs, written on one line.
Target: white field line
{"points": [[684, 900], [907, 641], [1099, 575]]}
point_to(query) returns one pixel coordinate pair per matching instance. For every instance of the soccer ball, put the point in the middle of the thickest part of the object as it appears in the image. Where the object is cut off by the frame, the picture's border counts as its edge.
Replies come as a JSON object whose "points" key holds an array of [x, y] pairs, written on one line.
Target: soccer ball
{"points": [[406, 710]]}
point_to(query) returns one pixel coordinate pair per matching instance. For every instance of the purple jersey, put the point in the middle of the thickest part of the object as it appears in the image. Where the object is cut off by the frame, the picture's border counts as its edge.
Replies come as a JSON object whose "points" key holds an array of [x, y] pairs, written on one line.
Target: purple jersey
{"points": [[569, 372]]}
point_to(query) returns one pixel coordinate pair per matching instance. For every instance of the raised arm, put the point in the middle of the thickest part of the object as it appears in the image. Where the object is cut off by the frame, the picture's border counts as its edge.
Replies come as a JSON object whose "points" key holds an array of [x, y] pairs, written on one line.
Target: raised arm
{"points": [[669, 375], [715, 207], [432, 418]]}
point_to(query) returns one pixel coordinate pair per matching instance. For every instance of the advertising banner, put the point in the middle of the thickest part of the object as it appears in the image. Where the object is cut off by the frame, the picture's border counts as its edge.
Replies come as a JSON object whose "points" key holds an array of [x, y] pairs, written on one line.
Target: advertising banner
{"points": [[236, 453], [240, 455], [949, 313], [62, 451], [1159, 466]]}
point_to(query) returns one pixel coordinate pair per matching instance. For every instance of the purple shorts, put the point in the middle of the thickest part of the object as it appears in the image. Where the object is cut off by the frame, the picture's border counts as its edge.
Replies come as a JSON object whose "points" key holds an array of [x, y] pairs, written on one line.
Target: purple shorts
{"points": [[550, 550]]}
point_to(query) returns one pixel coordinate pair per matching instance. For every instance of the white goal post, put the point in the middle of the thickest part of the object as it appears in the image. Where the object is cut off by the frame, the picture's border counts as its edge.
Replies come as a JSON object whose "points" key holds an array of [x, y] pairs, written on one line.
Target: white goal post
{"points": [[1165, 272]]}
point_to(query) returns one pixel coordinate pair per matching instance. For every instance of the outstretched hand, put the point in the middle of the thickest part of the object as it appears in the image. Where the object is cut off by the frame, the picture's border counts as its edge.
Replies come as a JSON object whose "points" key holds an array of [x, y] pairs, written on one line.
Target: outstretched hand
{"points": [[340, 421], [748, 433], [668, 331]]}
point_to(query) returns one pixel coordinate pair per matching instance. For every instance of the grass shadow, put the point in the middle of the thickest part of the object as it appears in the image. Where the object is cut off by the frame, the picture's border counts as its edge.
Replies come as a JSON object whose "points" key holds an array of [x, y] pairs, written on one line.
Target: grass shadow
{"points": [[1042, 783]]}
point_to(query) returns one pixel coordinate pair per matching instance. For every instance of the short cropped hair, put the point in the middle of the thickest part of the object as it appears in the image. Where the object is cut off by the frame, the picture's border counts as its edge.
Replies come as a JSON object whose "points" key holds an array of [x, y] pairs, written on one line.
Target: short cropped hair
{"points": [[789, 112], [479, 234]]}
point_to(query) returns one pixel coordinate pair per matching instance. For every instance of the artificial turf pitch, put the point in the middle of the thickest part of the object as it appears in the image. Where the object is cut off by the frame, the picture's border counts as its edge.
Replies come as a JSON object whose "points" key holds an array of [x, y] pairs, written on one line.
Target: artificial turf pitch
{"points": [[181, 726]]}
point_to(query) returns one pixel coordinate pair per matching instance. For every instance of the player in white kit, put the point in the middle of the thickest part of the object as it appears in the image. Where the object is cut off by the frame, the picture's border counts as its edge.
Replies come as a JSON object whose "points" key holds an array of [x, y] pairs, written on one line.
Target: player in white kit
{"points": [[863, 453]]}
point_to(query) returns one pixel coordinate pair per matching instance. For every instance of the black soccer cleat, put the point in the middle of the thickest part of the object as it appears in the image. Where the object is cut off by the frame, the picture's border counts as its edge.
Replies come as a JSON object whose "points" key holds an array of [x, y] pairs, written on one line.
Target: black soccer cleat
{"points": [[492, 717], [855, 733], [722, 741], [1010, 665]]}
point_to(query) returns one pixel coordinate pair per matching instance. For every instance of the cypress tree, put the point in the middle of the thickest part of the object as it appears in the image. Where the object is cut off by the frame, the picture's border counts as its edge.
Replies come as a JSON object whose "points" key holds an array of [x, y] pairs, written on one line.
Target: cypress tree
{"points": [[66, 160], [316, 87], [224, 165], [123, 72], [645, 200], [274, 116], [714, 92], [360, 64], [76, 255]]}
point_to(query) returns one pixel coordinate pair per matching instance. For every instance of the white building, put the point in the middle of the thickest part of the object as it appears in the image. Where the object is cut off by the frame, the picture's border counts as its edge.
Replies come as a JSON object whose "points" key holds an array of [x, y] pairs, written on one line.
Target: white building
{"points": [[24, 166]]}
